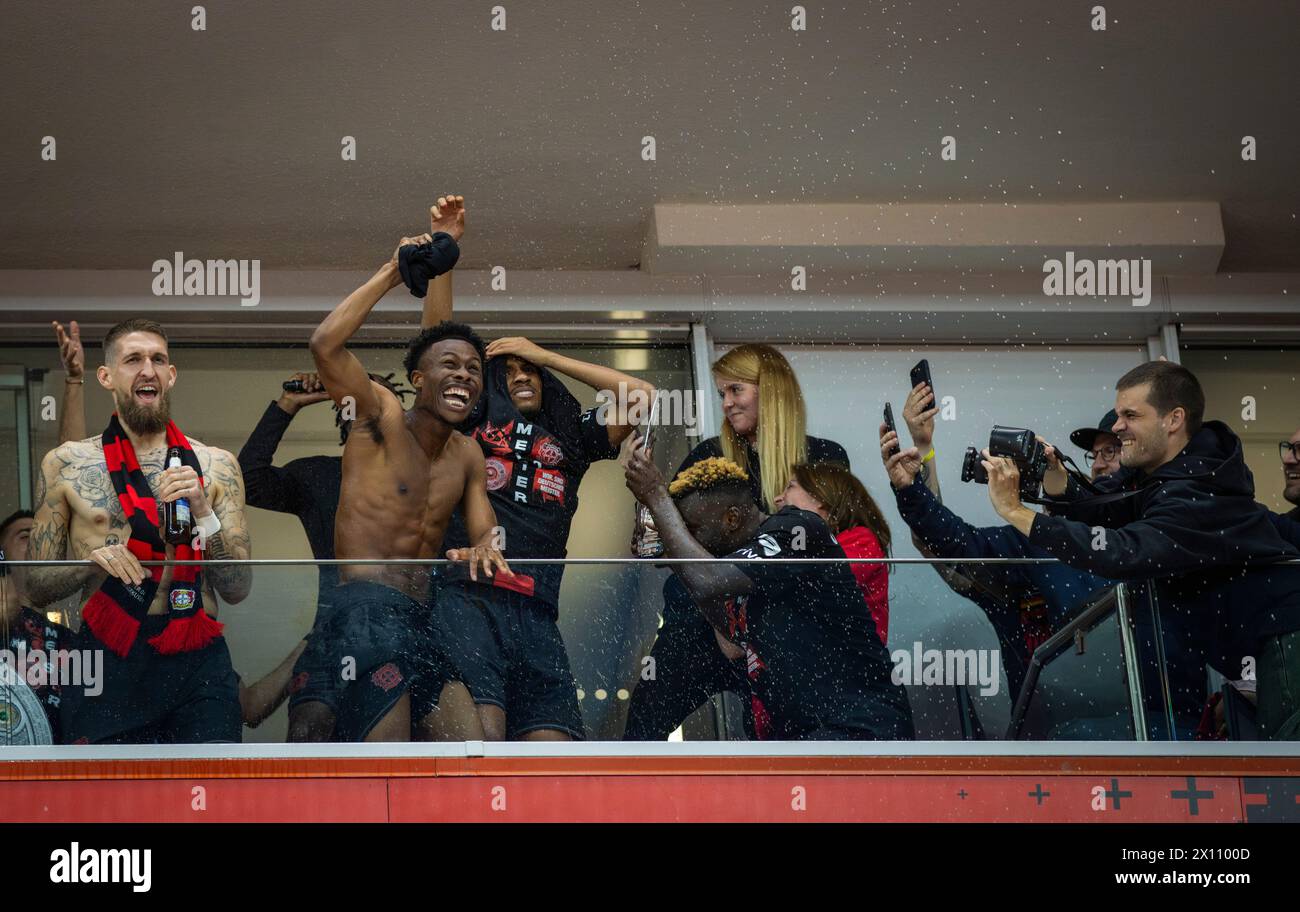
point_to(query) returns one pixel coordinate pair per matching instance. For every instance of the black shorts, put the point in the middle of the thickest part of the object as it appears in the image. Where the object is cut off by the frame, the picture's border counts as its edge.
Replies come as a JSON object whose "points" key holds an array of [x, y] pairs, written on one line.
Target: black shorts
{"points": [[303, 669], [508, 651], [372, 649], [150, 698]]}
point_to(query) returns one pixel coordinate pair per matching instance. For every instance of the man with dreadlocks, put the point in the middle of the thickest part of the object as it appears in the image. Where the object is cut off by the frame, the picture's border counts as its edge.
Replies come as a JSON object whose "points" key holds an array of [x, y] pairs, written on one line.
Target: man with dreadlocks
{"points": [[308, 488], [816, 667], [167, 672]]}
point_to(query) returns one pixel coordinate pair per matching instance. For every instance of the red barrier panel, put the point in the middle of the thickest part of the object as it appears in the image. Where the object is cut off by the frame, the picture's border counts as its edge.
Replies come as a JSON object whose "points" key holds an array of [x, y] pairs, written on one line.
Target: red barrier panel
{"points": [[651, 789]]}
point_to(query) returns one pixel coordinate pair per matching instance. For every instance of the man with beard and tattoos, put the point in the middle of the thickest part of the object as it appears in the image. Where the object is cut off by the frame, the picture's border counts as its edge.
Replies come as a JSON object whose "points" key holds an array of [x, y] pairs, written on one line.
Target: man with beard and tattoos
{"points": [[167, 671], [376, 667]]}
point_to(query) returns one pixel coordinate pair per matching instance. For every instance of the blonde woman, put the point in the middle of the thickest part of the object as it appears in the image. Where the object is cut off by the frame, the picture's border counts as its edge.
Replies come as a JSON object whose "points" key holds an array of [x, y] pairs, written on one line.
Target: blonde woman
{"points": [[763, 431]]}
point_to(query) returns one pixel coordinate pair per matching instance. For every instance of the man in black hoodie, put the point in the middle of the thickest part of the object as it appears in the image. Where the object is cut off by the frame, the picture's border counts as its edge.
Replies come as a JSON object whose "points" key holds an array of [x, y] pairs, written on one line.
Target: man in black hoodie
{"points": [[1182, 515]]}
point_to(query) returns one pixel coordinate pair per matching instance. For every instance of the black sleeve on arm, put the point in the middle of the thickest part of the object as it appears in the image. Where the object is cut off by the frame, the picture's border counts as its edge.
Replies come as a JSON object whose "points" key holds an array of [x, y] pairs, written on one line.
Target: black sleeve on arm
{"points": [[709, 584], [1178, 533], [595, 437], [267, 486], [777, 538]]}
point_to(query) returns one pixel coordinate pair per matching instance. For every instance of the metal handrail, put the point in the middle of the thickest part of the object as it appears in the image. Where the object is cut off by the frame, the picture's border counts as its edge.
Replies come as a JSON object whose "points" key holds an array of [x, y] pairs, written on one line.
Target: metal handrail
{"points": [[1111, 600], [580, 561]]}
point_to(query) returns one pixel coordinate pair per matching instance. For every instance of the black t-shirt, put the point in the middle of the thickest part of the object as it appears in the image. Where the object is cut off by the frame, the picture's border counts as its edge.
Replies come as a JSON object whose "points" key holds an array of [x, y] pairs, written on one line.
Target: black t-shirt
{"points": [[676, 600], [534, 467], [815, 660], [32, 641], [307, 488]]}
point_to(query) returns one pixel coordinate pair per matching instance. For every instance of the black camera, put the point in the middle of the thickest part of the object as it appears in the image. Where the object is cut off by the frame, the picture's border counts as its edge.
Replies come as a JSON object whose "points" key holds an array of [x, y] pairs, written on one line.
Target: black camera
{"points": [[972, 467], [1021, 445]]}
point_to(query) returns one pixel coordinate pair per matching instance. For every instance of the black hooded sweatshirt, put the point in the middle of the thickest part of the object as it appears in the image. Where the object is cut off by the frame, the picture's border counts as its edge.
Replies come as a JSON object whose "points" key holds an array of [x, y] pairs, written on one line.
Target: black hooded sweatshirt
{"points": [[1193, 527], [534, 466]]}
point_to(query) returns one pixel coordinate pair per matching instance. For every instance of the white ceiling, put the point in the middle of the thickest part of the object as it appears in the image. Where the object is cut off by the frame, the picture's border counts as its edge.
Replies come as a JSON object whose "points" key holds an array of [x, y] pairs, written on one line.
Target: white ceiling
{"points": [[225, 143]]}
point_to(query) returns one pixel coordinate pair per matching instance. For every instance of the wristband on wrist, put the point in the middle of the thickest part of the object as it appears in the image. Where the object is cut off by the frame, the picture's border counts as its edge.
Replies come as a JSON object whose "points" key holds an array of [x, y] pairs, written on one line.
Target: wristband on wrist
{"points": [[79, 381], [928, 456], [210, 524]]}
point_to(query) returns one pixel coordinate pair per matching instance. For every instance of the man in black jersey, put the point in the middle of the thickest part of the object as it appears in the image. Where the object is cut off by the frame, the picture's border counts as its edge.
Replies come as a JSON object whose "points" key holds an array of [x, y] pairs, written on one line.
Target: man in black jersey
{"points": [[689, 666], [501, 632], [816, 667]]}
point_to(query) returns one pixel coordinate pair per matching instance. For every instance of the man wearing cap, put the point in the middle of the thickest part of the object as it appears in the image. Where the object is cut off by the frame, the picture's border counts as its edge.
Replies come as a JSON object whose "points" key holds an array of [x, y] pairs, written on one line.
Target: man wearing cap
{"points": [[1099, 445]]}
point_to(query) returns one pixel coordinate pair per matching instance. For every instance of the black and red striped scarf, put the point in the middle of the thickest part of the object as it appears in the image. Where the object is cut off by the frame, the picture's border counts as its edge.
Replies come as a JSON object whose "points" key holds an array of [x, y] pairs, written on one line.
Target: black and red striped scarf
{"points": [[114, 613]]}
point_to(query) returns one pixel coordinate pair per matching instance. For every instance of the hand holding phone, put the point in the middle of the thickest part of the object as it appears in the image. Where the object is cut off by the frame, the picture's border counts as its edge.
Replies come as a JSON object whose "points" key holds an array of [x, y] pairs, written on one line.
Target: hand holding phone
{"points": [[921, 374], [889, 423]]}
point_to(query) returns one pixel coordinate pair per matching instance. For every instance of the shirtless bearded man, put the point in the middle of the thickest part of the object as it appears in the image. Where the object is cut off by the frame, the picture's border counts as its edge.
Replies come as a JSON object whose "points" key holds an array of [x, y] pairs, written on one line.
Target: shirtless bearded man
{"points": [[167, 671]]}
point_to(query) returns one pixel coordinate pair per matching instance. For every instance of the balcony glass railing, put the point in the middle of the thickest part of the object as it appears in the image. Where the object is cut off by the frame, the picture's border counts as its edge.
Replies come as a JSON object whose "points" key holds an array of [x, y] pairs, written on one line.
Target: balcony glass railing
{"points": [[622, 666]]}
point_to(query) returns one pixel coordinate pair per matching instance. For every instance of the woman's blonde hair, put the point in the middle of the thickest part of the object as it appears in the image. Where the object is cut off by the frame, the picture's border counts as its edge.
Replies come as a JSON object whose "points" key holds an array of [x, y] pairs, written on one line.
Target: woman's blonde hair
{"points": [[782, 437]]}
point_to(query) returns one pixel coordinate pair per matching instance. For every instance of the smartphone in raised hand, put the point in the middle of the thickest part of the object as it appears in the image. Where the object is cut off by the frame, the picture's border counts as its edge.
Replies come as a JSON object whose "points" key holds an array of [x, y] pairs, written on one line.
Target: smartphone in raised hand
{"points": [[889, 423], [921, 374]]}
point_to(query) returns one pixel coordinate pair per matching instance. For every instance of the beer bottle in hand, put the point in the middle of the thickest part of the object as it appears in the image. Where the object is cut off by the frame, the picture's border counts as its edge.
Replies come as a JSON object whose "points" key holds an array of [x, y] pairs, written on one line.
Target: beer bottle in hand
{"points": [[178, 525]]}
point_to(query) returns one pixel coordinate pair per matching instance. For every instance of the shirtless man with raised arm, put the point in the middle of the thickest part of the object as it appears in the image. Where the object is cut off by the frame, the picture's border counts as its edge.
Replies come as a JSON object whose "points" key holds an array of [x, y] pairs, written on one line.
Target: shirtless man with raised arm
{"points": [[167, 672], [404, 473]]}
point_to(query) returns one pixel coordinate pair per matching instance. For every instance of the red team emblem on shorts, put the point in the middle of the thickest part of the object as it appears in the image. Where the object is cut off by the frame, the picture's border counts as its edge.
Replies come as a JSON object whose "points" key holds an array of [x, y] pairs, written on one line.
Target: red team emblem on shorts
{"points": [[547, 451], [498, 473], [386, 677]]}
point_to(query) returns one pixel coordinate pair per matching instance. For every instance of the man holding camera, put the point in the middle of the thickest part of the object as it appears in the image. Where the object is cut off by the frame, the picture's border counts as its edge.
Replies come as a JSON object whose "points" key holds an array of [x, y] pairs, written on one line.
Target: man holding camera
{"points": [[1025, 603], [1182, 514]]}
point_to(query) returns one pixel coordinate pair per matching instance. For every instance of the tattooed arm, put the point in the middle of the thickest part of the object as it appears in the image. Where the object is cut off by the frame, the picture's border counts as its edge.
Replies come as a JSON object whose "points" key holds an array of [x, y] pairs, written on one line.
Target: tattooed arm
{"points": [[49, 539], [232, 542]]}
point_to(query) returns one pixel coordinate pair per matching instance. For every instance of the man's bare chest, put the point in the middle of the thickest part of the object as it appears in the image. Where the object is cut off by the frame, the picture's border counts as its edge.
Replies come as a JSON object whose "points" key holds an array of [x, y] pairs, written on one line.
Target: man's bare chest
{"points": [[97, 515]]}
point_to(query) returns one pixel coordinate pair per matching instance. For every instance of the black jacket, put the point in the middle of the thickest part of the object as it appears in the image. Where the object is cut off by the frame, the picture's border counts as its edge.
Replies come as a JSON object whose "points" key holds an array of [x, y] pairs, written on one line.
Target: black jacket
{"points": [[1194, 528], [307, 488]]}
